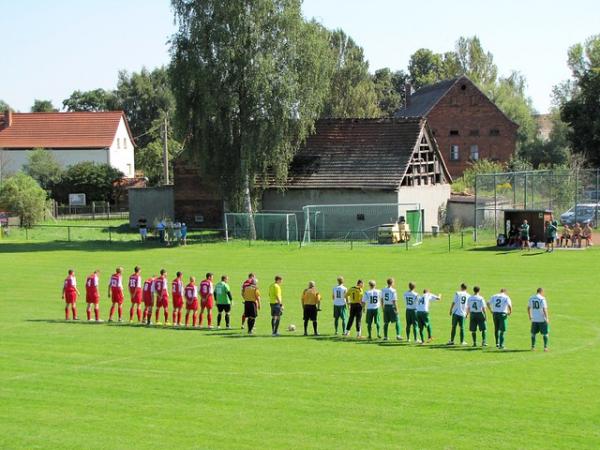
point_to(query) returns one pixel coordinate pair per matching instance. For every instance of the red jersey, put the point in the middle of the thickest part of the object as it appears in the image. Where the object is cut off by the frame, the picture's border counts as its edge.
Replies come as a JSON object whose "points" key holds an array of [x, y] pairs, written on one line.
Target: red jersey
{"points": [[177, 288], [91, 288], [160, 287], [135, 283], [191, 292], [70, 284], [206, 288], [148, 290], [116, 286]]}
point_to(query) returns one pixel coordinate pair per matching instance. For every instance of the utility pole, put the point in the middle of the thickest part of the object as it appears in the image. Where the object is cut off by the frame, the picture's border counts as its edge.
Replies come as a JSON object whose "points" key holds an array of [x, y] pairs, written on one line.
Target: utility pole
{"points": [[165, 153]]}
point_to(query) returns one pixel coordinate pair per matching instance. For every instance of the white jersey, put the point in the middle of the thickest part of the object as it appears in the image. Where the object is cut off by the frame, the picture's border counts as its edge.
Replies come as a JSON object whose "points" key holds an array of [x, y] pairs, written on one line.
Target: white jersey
{"points": [[459, 306], [339, 295], [537, 304], [410, 299], [476, 304], [389, 296], [500, 303], [372, 298], [424, 300]]}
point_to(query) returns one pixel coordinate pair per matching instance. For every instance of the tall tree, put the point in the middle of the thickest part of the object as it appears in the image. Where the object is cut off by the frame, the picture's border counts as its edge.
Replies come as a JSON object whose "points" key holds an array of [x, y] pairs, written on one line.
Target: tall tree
{"points": [[250, 78], [94, 100], [426, 67], [43, 106], [389, 88], [22, 195], [582, 110], [475, 62], [43, 168], [352, 92], [4, 106]]}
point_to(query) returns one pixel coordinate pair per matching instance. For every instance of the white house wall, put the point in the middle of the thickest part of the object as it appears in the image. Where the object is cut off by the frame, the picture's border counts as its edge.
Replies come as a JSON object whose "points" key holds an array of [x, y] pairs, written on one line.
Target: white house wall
{"points": [[121, 151], [13, 160], [430, 197]]}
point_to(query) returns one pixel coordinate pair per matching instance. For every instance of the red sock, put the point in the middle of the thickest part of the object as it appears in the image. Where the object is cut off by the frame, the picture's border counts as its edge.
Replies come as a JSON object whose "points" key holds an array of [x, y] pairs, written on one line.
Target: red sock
{"points": [[139, 314], [67, 313], [74, 309], [112, 312], [97, 313], [187, 318], [201, 318], [209, 318], [88, 313], [166, 316], [131, 314], [195, 319], [120, 312], [157, 311]]}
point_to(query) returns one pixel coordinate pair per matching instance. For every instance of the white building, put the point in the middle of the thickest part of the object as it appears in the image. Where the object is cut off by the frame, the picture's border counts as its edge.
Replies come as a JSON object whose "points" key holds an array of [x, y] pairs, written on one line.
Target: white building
{"points": [[72, 137]]}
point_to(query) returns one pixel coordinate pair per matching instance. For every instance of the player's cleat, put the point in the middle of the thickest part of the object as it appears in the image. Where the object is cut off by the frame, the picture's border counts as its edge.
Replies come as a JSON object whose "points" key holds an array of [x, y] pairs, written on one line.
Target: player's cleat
{"points": [[242, 327], [251, 333], [501, 347], [316, 334], [419, 341], [378, 336], [210, 327], [346, 333], [110, 320], [130, 322], [399, 338], [484, 344], [76, 318], [305, 334], [120, 320], [474, 344], [429, 340], [228, 327], [157, 323], [218, 327], [275, 334], [464, 343], [385, 338], [450, 343], [546, 349], [167, 323]]}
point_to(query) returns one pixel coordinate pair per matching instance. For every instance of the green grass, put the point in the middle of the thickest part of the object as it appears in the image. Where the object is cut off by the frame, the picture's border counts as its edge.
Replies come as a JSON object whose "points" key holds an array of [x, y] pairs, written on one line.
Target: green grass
{"points": [[74, 385]]}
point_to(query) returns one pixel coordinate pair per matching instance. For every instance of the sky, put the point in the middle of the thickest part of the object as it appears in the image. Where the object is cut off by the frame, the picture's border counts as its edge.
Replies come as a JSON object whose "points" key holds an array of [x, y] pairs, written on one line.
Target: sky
{"points": [[53, 47]]}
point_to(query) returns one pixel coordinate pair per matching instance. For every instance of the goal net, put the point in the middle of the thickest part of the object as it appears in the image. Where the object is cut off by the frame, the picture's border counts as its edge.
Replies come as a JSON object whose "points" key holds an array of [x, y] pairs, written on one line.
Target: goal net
{"points": [[268, 226], [358, 222]]}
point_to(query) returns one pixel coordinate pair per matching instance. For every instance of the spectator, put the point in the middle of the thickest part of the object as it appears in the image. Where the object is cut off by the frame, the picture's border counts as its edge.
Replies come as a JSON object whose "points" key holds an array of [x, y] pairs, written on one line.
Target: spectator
{"points": [[576, 236], [565, 236], [160, 228], [586, 235], [513, 236], [177, 232], [184, 234], [143, 227]]}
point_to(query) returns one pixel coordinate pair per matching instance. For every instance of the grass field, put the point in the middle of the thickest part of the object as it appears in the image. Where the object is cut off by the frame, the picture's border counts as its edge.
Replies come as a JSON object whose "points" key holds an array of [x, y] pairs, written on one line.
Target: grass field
{"points": [[79, 385]]}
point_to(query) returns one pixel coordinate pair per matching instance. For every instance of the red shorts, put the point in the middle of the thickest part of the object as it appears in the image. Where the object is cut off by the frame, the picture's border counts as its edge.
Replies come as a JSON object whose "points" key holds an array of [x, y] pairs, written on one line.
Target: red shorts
{"points": [[162, 302], [136, 296], [192, 306], [149, 301], [70, 297], [117, 296], [208, 302], [177, 301], [94, 300]]}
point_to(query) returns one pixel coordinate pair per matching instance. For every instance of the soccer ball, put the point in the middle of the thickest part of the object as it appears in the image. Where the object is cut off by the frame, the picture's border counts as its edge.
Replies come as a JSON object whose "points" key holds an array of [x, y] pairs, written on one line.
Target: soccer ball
{"points": [[292, 327]]}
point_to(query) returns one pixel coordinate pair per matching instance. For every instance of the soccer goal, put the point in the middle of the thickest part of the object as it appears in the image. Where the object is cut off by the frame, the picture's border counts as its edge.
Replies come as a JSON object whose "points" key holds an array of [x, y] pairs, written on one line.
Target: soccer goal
{"points": [[267, 226], [358, 222]]}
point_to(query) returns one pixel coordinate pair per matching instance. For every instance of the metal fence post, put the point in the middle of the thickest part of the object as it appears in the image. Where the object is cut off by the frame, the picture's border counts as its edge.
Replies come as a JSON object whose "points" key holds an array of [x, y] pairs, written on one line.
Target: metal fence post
{"points": [[448, 242], [596, 197], [462, 239], [109, 234], [26, 233], [475, 212], [69, 234], [495, 207]]}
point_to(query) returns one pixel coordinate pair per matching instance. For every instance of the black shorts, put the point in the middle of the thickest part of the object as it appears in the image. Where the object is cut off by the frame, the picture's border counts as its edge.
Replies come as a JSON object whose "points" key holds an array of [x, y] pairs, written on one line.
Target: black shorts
{"points": [[222, 308], [250, 309], [276, 310], [549, 240], [310, 312]]}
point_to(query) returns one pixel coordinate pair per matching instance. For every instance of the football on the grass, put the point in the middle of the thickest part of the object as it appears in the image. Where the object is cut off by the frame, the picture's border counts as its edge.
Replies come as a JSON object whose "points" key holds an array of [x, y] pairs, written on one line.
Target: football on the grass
{"points": [[292, 327]]}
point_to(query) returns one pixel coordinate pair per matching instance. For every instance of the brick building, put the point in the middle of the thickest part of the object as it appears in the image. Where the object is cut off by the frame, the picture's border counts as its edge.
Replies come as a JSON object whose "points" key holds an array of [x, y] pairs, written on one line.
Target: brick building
{"points": [[466, 124]]}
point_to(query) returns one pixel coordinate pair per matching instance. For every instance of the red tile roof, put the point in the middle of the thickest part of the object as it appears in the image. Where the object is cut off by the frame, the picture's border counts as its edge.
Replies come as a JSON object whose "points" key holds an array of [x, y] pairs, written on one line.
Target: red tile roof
{"points": [[68, 130]]}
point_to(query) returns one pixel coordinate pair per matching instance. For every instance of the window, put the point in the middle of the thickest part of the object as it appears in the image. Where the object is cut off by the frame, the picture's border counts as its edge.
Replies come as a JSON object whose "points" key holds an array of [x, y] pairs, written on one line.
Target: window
{"points": [[494, 132], [474, 152], [118, 142], [129, 169], [454, 155], [124, 143], [360, 217], [463, 87], [453, 132], [474, 133]]}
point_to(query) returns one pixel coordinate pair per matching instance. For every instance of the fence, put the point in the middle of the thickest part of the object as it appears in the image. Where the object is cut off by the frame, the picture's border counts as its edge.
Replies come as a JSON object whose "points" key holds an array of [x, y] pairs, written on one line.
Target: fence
{"points": [[96, 210], [572, 195]]}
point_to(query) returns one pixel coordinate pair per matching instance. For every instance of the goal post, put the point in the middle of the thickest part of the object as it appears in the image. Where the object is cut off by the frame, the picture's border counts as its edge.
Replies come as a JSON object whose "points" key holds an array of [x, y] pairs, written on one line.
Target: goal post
{"points": [[358, 222], [268, 226]]}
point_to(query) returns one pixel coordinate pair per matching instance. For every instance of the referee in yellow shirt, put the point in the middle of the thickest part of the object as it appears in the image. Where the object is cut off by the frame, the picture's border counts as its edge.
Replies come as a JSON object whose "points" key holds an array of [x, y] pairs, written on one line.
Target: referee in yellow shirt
{"points": [[251, 297], [311, 299], [276, 304], [354, 296]]}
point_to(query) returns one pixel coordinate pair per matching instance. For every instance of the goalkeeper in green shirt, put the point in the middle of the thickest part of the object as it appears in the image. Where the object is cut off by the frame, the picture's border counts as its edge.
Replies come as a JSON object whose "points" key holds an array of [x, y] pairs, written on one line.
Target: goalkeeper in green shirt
{"points": [[224, 300]]}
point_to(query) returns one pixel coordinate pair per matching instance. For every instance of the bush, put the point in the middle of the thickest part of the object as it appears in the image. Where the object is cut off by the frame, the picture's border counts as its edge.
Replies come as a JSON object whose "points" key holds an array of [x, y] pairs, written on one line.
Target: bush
{"points": [[92, 179], [22, 195]]}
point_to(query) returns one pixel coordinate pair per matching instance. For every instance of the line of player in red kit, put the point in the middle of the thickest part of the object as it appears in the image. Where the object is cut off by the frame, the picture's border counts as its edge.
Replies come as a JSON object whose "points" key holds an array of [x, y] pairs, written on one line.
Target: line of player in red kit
{"points": [[153, 293]]}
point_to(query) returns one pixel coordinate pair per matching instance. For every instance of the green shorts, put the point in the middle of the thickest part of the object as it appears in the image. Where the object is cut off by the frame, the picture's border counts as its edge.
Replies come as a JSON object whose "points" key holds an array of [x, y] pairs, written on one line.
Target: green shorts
{"points": [[373, 316], [500, 321], [477, 321], [540, 327], [411, 317], [458, 320], [340, 312], [422, 318], [390, 314]]}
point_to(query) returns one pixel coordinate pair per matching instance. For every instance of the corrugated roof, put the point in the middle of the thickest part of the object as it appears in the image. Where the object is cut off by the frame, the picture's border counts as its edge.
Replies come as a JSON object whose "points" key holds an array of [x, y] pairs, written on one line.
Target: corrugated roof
{"points": [[356, 153], [69, 130], [424, 99]]}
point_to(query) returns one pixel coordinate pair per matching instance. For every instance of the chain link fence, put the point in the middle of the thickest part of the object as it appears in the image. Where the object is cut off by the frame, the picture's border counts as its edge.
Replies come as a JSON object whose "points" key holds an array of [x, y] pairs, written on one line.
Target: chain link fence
{"points": [[572, 196]]}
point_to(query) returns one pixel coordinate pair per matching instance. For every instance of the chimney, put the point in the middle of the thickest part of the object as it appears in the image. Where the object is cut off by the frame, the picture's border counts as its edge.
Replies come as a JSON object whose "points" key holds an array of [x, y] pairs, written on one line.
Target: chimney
{"points": [[8, 118], [408, 90]]}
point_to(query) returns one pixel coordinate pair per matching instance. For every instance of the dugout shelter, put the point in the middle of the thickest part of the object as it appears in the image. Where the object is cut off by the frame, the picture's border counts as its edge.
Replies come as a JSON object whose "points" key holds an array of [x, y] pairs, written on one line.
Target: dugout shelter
{"points": [[535, 217]]}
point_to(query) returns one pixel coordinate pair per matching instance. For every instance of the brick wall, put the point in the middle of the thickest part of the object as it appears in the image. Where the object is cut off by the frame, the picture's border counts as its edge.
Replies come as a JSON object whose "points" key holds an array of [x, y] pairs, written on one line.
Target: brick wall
{"points": [[466, 110], [196, 196]]}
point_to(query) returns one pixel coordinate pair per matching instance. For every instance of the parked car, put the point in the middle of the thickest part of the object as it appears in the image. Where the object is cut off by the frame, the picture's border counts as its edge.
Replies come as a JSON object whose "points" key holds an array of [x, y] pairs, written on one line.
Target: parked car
{"points": [[582, 213]]}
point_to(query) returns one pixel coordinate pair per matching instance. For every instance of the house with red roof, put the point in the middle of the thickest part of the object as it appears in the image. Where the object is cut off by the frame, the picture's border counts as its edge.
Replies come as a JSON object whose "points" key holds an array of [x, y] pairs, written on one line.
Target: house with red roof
{"points": [[72, 137]]}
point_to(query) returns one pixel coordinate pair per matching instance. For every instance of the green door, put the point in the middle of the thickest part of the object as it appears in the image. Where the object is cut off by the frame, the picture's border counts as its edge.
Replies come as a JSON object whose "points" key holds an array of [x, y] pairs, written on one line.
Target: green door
{"points": [[414, 220]]}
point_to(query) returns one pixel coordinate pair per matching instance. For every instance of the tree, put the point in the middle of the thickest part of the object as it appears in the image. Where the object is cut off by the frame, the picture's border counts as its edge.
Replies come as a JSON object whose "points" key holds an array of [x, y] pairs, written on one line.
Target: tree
{"points": [[43, 106], [94, 100], [426, 67], [475, 62], [94, 180], [389, 89], [22, 195], [352, 92], [146, 98], [582, 110], [250, 79], [4, 106], [150, 159], [43, 168]]}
